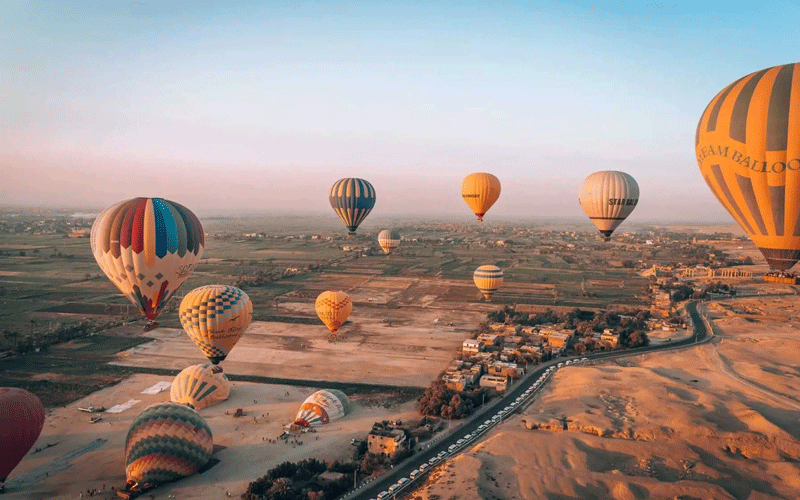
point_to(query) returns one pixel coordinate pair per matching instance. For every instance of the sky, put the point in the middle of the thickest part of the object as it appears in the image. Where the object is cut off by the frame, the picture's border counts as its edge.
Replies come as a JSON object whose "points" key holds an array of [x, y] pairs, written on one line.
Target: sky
{"points": [[262, 106]]}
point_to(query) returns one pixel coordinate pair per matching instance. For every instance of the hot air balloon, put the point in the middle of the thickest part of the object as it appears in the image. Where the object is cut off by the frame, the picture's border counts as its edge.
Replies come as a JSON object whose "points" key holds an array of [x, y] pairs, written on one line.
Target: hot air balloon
{"points": [[480, 191], [608, 197], [322, 407], [488, 279], [166, 442], [388, 240], [748, 148], [200, 386], [352, 199], [214, 317], [21, 421], [147, 247], [333, 308]]}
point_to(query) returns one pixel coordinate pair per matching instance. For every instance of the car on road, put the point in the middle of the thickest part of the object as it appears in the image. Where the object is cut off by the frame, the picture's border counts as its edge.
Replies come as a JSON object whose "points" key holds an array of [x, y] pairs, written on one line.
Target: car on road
{"points": [[441, 455], [481, 427], [402, 481], [496, 418], [434, 461], [423, 467], [460, 441], [468, 436], [382, 494], [451, 447], [488, 422], [413, 474]]}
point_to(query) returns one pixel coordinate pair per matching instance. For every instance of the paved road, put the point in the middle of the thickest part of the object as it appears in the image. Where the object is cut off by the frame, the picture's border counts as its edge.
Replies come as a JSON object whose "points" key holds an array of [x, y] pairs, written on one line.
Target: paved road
{"points": [[382, 483]]}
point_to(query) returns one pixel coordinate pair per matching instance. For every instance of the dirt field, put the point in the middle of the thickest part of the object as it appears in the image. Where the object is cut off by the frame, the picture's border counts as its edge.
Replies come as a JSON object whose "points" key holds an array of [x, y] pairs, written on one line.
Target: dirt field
{"points": [[721, 421], [410, 350], [91, 456]]}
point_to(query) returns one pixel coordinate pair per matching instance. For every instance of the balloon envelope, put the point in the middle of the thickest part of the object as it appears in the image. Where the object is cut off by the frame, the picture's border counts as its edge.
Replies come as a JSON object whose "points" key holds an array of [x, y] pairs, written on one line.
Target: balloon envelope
{"points": [[480, 190], [388, 240], [488, 279], [748, 148], [323, 407], [200, 386], [214, 317], [608, 197], [147, 247], [352, 199], [166, 442], [333, 308], [21, 421]]}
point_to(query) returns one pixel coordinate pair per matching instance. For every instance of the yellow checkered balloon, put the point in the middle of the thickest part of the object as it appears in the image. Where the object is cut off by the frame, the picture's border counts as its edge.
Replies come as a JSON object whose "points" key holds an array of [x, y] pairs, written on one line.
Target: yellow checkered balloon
{"points": [[214, 317]]}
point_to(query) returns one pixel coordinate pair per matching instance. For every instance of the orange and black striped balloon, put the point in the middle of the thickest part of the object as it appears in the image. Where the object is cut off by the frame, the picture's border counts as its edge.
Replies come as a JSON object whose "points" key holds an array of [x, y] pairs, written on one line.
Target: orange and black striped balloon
{"points": [[748, 150]]}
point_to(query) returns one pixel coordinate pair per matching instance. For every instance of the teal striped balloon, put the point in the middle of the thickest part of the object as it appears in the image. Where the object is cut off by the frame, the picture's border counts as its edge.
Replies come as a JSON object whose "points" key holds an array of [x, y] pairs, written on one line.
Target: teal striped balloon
{"points": [[166, 442]]}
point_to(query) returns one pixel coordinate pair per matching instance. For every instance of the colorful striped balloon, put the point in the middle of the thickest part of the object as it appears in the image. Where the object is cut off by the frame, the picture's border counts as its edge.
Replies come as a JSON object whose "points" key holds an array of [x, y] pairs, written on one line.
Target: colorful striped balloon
{"points": [[352, 199], [147, 247], [388, 240], [488, 279], [323, 407], [166, 442], [333, 308], [608, 197], [215, 317], [21, 422], [200, 386], [748, 149]]}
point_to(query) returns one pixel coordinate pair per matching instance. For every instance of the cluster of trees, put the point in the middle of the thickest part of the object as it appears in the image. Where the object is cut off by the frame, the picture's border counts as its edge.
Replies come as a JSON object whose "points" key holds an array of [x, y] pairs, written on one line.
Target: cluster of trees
{"points": [[13, 340], [299, 481], [439, 401], [628, 324], [682, 291]]}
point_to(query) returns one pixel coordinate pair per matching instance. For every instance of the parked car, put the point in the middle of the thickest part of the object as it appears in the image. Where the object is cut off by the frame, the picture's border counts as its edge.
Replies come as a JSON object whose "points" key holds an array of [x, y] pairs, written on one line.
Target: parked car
{"points": [[468, 436], [451, 447], [382, 494], [402, 481], [413, 474]]}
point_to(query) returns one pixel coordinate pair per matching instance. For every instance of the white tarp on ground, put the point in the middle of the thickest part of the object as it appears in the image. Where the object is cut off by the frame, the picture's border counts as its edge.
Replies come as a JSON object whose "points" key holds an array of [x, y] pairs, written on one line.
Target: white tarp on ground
{"points": [[159, 387], [122, 407]]}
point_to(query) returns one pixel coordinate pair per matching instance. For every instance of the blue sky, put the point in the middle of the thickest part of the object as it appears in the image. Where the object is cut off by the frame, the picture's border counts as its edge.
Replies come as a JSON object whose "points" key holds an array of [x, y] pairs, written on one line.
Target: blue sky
{"points": [[263, 105]]}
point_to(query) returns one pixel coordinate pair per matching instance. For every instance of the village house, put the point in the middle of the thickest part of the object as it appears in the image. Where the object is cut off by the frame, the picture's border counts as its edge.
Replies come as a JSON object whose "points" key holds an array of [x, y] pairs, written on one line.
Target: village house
{"points": [[386, 441], [499, 383], [470, 347]]}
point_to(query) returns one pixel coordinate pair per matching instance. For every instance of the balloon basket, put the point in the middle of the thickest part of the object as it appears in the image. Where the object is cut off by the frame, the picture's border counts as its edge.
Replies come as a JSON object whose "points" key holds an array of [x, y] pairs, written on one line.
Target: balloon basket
{"points": [[130, 494], [151, 325]]}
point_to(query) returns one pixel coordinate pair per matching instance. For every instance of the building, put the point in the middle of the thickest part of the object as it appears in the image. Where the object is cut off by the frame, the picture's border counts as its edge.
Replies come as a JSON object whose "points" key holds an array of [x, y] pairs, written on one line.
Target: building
{"points": [[498, 382], [386, 441], [608, 339], [489, 339], [471, 347], [505, 369], [559, 340]]}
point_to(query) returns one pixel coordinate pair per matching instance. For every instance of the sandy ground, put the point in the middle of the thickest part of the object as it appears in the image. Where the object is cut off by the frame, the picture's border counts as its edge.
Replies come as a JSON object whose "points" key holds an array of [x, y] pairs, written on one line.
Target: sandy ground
{"points": [[92, 455], [411, 350], [718, 421]]}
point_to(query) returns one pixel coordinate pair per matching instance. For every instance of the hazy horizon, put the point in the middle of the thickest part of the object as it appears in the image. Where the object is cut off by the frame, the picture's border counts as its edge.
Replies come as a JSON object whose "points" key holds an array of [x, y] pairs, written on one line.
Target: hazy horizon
{"points": [[261, 107]]}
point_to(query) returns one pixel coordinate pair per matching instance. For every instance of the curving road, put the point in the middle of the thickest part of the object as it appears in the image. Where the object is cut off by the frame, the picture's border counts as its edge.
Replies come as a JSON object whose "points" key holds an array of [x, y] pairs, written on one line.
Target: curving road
{"points": [[371, 489]]}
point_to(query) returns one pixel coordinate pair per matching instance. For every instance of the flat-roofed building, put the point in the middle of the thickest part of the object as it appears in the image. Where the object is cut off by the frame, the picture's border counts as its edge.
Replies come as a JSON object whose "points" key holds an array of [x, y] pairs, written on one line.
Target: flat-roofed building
{"points": [[386, 441], [498, 382], [470, 346], [560, 339]]}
